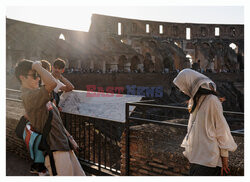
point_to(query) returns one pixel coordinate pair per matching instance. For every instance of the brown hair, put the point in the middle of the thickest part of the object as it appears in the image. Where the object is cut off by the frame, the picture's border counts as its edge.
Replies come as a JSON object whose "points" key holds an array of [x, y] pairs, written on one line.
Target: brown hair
{"points": [[59, 63], [46, 65], [22, 68]]}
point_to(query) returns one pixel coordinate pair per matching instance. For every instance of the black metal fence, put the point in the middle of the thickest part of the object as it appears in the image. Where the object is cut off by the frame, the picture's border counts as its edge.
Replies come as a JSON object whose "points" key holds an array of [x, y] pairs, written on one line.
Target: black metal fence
{"points": [[133, 117], [99, 140]]}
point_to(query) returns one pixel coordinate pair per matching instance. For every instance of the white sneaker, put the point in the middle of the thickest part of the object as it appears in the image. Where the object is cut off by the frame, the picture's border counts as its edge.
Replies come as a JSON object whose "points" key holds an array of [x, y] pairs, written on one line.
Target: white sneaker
{"points": [[46, 173]]}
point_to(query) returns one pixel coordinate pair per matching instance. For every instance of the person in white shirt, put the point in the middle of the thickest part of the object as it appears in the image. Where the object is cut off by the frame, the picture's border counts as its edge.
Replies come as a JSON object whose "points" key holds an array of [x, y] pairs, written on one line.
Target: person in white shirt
{"points": [[208, 137], [57, 70], [62, 83]]}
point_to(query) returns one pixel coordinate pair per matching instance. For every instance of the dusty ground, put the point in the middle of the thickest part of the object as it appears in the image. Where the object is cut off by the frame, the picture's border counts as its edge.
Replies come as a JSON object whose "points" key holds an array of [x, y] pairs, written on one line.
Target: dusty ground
{"points": [[16, 166]]}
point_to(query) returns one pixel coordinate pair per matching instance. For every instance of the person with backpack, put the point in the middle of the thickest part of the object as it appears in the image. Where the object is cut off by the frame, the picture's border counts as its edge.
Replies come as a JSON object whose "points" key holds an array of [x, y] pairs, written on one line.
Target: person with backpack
{"points": [[60, 159], [208, 139], [32, 140]]}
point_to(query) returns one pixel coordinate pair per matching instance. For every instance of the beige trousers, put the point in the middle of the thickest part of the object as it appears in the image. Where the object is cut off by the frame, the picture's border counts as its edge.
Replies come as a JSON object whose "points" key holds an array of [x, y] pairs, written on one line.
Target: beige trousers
{"points": [[66, 164]]}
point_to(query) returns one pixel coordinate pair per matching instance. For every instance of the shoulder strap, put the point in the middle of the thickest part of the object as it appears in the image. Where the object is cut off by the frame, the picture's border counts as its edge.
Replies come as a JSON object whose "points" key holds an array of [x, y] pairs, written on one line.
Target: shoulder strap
{"points": [[195, 113], [44, 145], [47, 126], [56, 97]]}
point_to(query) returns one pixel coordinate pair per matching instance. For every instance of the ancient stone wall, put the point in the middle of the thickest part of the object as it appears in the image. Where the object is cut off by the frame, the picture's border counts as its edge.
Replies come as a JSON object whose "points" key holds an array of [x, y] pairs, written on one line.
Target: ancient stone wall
{"points": [[214, 35], [36, 42], [14, 111], [155, 151], [174, 30], [229, 85], [142, 50]]}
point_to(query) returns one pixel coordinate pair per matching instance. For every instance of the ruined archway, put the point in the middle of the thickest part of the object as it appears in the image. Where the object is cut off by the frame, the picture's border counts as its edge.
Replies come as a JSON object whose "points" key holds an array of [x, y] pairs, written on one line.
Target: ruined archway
{"points": [[168, 63], [148, 63], [234, 47], [190, 59], [230, 58], [135, 64], [61, 36], [121, 63]]}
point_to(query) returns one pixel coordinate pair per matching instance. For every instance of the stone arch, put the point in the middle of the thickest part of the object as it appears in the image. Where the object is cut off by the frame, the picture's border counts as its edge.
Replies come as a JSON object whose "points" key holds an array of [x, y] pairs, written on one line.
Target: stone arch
{"points": [[234, 46], [168, 64], [219, 49], [61, 36], [73, 63], [190, 59], [111, 64], [204, 53], [205, 45], [121, 62], [148, 63], [85, 64], [135, 64], [231, 58], [177, 43], [152, 43]]}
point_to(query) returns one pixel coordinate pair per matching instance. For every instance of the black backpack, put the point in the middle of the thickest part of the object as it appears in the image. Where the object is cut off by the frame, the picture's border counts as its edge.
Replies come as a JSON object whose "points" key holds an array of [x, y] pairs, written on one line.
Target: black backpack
{"points": [[43, 146]]}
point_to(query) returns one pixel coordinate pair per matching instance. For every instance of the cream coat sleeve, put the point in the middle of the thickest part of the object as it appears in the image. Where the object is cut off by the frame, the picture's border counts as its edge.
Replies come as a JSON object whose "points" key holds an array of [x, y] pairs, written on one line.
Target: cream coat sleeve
{"points": [[221, 128]]}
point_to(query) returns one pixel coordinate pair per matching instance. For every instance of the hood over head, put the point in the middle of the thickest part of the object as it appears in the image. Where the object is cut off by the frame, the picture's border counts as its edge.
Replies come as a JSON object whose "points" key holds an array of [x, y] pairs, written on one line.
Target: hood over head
{"points": [[189, 81]]}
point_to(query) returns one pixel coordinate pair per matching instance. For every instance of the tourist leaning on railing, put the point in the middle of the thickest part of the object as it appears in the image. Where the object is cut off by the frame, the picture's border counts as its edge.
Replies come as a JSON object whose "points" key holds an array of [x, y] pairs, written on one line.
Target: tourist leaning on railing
{"points": [[37, 107]]}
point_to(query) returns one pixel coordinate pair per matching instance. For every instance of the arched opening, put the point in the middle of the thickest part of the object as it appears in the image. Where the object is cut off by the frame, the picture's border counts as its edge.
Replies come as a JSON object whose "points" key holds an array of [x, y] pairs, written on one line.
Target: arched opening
{"points": [[205, 45], [234, 47], [189, 57], [176, 44], [121, 62], [168, 63], [135, 64], [148, 63], [61, 37], [152, 44]]}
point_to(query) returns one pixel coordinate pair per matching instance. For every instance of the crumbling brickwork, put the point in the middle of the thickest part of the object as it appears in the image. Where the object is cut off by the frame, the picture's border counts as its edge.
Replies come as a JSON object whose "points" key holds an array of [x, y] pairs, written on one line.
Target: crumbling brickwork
{"points": [[132, 48], [155, 151]]}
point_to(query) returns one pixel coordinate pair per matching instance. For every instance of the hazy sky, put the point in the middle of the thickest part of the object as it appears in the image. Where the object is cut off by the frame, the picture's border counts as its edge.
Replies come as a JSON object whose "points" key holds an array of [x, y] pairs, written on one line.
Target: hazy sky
{"points": [[79, 17]]}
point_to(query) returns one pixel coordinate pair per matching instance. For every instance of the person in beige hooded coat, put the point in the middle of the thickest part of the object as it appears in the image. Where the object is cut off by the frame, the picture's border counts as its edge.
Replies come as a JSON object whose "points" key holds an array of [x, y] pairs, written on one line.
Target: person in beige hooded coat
{"points": [[208, 137]]}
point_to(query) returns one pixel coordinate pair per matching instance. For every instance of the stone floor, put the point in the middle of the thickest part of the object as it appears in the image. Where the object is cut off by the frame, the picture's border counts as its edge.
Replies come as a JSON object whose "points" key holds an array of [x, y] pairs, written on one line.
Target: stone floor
{"points": [[16, 166]]}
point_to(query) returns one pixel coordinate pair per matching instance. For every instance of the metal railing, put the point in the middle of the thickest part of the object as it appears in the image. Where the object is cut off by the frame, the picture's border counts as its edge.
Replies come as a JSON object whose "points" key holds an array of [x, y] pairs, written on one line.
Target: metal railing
{"points": [[143, 119], [99, 140]]}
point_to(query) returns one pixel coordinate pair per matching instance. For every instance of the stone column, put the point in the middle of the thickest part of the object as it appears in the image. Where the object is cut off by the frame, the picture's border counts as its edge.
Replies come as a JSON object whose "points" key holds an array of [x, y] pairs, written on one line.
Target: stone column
{"points": [[104, 66], [78, 63], [91, 67]]}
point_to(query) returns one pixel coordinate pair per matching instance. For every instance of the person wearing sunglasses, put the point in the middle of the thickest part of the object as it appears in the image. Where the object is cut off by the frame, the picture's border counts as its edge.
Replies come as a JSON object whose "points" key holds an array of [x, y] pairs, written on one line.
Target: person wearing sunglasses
{"points": [[37, 105]]}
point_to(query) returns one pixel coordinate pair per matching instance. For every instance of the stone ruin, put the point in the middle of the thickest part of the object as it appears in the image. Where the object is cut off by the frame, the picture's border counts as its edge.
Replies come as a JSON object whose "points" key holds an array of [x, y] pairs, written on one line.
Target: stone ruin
{"points": [[116, 44]]}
